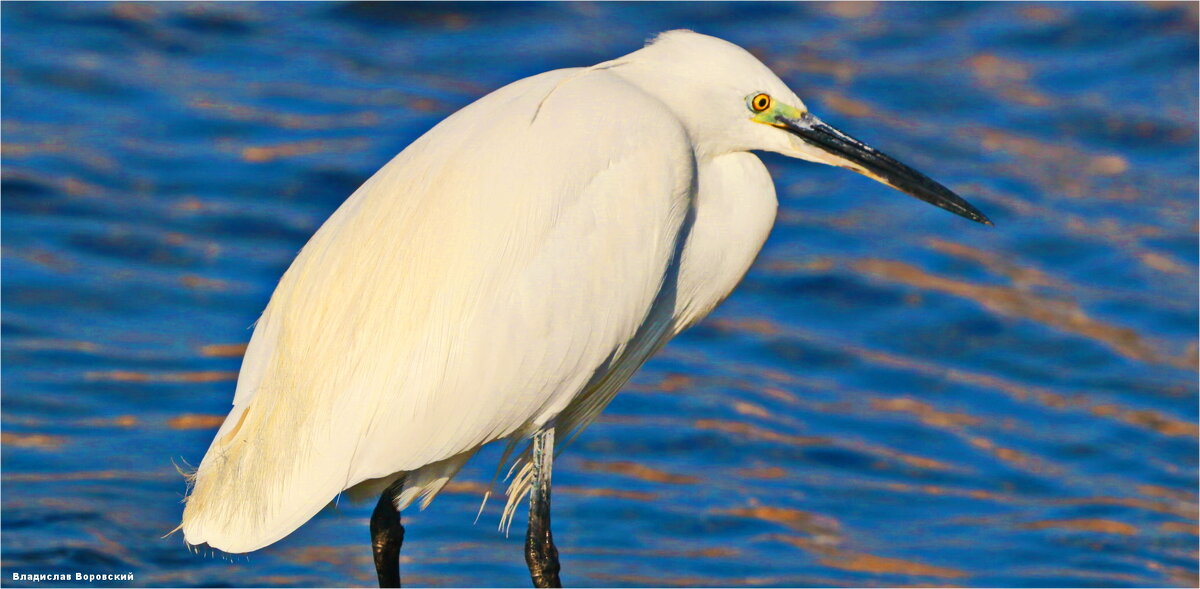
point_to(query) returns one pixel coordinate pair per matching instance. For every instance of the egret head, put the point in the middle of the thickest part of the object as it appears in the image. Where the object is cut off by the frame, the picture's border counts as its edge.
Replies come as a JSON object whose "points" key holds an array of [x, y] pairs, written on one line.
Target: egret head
{"points": [[730, 102]]}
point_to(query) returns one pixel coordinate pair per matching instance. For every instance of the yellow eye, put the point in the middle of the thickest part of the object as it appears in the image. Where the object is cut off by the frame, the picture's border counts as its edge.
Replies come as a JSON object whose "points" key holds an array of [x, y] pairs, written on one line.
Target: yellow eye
{"points": [[760, 102]]}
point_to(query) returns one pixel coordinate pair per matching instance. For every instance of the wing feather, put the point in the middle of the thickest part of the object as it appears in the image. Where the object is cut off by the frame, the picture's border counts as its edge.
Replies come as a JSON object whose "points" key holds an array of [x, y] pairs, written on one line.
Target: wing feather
{"points": [[469, 289]]}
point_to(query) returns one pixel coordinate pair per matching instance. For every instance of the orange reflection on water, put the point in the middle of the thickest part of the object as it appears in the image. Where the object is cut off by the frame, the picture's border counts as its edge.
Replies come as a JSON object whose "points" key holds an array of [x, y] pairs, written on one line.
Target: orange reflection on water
{"points": [[824, 527], [868, 563], [223, 350], [284, 120], [89, 475], [1103, 526], [40, 441], [754, 432], [196, 421], [924, 411], [638, 471], [267, 153], [1006, 77], [138, 376]]}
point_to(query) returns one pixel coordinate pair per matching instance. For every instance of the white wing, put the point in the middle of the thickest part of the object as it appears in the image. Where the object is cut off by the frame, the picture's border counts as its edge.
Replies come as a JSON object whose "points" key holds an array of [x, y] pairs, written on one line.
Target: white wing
{"points": [[469, 289]]}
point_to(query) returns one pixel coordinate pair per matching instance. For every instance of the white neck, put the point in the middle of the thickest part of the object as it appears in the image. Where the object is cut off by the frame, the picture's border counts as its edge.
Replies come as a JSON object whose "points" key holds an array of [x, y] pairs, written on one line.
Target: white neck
{"points": [[735, 210]]}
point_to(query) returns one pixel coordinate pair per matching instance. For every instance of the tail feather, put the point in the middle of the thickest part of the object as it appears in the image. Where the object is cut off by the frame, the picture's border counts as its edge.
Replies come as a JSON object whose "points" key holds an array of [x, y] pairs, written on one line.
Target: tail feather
{"points": [[423, 483]]}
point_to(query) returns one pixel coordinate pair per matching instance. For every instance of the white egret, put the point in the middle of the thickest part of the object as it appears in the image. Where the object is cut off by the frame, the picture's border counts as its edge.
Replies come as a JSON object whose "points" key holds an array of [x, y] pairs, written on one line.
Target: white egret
{"points": [[500, 279]]}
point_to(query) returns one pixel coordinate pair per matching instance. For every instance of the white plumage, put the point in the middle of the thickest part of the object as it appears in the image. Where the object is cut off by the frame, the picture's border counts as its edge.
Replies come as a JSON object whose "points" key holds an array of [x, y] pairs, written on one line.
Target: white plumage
{"points": [[509, 270]]}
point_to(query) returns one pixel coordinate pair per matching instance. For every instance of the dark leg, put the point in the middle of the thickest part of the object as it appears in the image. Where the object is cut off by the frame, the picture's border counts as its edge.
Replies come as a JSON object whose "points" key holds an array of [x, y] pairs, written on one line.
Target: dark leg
{"points": [[387, 535], [540, 553]]}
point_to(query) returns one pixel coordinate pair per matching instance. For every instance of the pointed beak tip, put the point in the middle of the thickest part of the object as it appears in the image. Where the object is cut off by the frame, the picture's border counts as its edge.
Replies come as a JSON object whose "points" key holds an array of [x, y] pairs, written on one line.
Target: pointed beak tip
{"points": [[980, 218]]}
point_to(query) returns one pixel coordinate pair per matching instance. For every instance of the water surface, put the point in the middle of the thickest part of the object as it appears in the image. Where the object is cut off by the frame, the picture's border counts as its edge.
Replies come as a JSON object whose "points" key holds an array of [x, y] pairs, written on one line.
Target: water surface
{"points": [[894, 396]]}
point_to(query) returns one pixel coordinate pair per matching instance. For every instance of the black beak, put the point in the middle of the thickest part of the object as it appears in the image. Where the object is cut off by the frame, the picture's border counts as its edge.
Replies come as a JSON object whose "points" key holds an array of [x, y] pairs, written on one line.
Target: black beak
{"points": [[855, 155]]}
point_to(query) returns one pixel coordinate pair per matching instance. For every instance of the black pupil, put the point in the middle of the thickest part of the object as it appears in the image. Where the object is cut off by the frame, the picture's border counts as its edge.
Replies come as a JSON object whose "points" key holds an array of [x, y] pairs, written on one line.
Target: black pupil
{"points": [[761, 102]]}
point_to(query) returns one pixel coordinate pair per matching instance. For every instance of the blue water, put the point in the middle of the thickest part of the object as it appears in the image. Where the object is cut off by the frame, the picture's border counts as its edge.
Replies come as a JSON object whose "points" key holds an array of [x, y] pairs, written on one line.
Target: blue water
{"points": [[894, 396]]}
